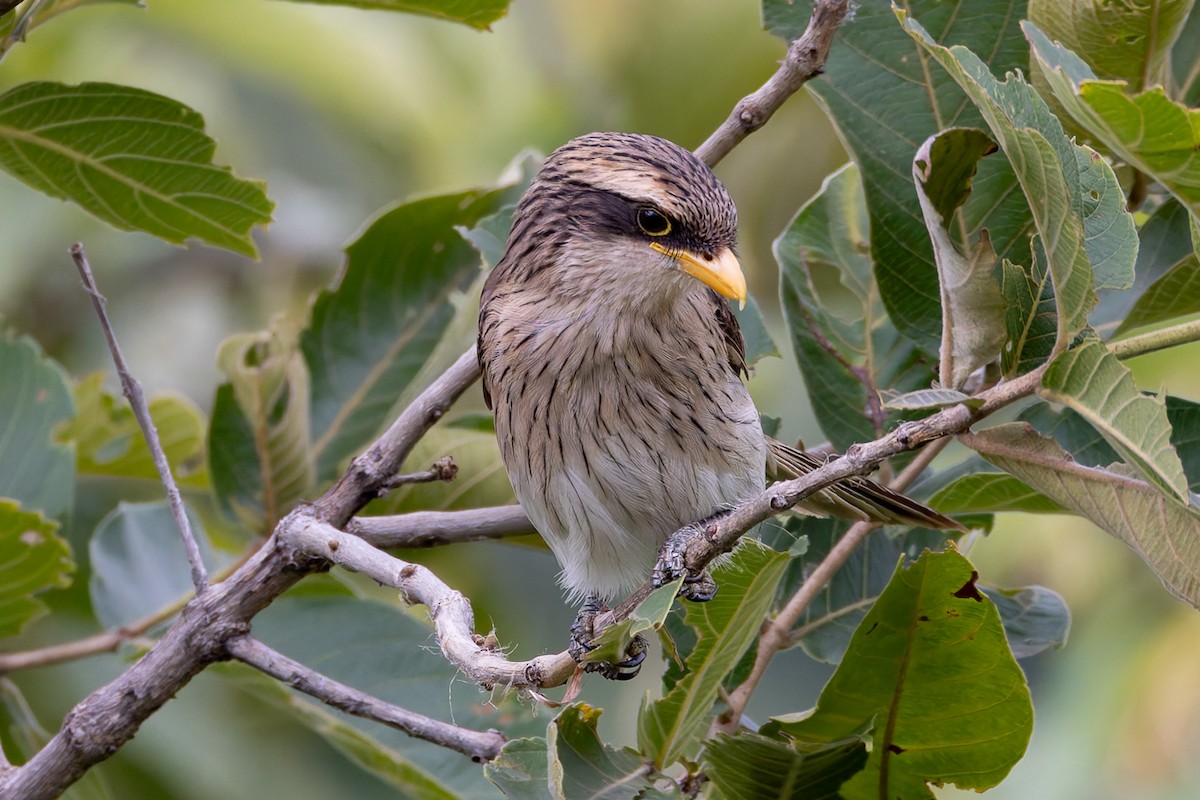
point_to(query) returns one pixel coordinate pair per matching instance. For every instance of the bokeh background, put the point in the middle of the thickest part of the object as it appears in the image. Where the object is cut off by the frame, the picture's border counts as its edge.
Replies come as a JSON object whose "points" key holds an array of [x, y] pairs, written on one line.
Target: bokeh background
{"points": [[343, 111]]}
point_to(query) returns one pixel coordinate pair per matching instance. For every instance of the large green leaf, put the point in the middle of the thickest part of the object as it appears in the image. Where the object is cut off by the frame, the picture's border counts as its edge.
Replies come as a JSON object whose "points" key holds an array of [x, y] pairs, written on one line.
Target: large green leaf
{"points": [[109, 442], [259, 451], [369, 336], [1092, 382], [1072, 192], [476, 13], [930, 679], [385, 652], [138, 563], [1129, 41], [1167, 282], [522, 770], [33, 558], [829, 621], [845, 345], [1148, 130], [726, 625], [752, 767], [35, 396], [972, 306], [1088, 447], [1165, 533], [1030, 319], [580, 765], [135, 159], [993, 492], [885, 99]]}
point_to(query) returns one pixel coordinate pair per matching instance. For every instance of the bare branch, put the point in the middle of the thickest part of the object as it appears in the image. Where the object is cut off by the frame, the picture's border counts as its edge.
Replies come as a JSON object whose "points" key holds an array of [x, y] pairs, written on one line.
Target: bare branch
{"points": [[432, 528], [453, 619], [105, 642], [479, 746], [805, 60], [132, 390]]}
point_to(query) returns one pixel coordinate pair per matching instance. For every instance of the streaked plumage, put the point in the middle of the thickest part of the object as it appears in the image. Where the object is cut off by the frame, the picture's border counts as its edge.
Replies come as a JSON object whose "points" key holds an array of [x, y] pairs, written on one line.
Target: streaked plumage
{"points": [[615, 375]]}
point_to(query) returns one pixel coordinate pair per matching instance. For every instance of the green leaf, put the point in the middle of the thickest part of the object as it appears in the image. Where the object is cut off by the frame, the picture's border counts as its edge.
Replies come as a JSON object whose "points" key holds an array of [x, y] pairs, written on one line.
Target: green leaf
{"points": [[479, 14], [109, 443], [1163, 532], [825, 629], [384, 651], [1031, 319], [1092, 382], [845, 346], [260, 456], [139, 566], [972, 306], [1148, 130], [930, 678], [1085, 444], [135, 159], [32, 559], [923, 399], [522, 769], [649, 615], [1168, 274], [580, 765], [747, 766], [1055, 176], [369, 337], [885, 99], [35, 396], [1035, 618], [991, 491], [1130, 41], [726, 625]]}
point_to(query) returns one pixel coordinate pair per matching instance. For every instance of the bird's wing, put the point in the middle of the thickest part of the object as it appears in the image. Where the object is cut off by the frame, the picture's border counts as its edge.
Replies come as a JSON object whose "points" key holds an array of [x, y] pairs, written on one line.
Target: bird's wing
{"points": [[853, 498], [735, 345]]}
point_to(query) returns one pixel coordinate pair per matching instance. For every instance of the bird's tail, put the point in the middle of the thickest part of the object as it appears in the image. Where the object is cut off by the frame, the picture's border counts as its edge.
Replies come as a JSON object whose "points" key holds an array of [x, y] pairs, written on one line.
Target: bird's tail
{"points": [[852, 498]]}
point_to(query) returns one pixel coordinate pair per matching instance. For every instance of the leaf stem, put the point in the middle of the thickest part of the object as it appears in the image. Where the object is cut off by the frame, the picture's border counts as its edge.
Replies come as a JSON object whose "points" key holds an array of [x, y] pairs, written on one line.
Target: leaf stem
{"points": [[1183, 333]]}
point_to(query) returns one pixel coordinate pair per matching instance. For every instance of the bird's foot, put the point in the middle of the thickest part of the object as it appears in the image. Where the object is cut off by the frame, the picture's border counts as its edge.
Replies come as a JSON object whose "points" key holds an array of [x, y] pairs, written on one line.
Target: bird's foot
{"points": [[672, 565], [582, 634]]}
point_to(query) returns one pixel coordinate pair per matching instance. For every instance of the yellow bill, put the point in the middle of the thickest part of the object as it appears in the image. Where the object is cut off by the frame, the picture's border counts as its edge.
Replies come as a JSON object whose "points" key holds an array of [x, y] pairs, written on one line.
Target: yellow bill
{"points": [[721, 272]]}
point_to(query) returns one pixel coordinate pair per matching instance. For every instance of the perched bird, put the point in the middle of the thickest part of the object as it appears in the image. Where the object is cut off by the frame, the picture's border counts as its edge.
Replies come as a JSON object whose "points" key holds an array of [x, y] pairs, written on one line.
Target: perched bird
{"points": [[613, 363]]}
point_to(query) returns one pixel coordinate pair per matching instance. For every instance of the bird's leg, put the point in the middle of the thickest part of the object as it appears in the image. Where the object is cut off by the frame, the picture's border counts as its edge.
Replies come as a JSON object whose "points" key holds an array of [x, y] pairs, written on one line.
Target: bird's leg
{"points": [[671, 565], [582, 633]]}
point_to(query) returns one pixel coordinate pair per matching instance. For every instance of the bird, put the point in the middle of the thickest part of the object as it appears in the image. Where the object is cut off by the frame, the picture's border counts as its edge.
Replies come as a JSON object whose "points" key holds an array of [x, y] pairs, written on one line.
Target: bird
{"points": [[613, 365]]}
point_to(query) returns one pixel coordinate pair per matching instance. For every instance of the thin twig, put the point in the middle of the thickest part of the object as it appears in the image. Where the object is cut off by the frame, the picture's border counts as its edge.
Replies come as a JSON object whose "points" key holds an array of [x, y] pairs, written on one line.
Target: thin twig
{"points": [[776, 633], [433, 528], [805, 60], [479, 746], [444, 469], [137, 400]]}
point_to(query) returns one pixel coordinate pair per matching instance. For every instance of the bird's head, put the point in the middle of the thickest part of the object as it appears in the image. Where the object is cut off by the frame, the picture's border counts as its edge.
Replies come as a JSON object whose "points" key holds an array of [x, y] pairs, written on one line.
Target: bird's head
{"points": [[610, 210]]}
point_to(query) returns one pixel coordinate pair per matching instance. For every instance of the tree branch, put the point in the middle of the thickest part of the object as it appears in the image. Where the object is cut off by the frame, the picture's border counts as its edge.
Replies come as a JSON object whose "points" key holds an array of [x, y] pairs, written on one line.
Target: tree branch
{"points": [[804, 61], [479, 746], [432, 528], [132, 390], [451, 613]]}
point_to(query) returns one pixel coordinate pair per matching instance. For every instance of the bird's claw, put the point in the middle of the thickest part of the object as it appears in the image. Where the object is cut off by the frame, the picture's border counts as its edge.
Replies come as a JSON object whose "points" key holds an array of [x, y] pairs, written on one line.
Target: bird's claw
{"points": [[671, 566], [582, 633]]}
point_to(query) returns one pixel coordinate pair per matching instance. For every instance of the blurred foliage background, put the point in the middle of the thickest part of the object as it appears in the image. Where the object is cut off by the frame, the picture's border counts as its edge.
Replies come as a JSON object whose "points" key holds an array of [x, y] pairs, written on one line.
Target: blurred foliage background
{"points": [[344, 111]]}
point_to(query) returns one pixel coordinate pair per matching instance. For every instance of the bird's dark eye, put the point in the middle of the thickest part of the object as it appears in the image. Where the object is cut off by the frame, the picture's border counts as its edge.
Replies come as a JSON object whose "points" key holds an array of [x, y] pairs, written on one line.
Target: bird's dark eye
{"points": [[653, 222]]}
